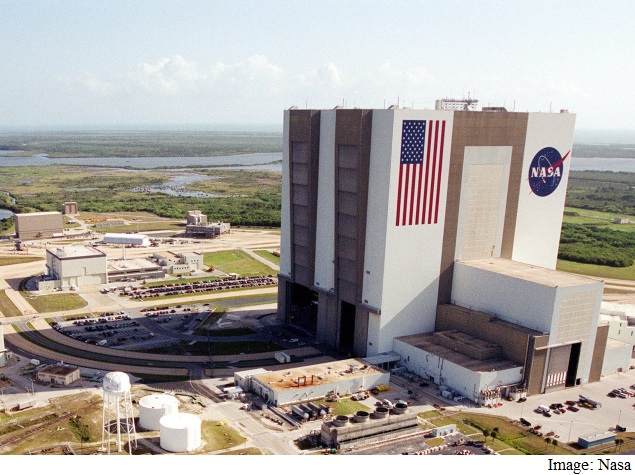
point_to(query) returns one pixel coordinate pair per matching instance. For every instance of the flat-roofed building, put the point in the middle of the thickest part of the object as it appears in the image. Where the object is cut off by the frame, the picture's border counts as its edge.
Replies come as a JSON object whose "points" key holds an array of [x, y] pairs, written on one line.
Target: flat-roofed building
{"points": [[179, 262], [58, 374], [38, 225], [74, 266], [307, 383], [127, 270]]}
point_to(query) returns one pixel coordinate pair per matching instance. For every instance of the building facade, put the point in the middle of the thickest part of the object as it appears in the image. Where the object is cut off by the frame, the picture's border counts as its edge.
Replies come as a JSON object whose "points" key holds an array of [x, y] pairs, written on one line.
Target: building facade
{"points": [[38, 225], [380, 205]]}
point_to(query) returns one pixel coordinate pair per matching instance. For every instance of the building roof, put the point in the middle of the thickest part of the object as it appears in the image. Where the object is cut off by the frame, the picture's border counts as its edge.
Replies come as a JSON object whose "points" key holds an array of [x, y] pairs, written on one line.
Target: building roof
{"points": [[58, 370], [75, 252], [598, 437], [530, 273], [426, 342], [40, 213], [315, 375], [127, 265]]}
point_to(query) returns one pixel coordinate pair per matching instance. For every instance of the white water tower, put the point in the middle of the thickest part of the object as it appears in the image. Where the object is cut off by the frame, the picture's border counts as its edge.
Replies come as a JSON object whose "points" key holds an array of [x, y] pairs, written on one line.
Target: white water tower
{"points": [[117, 415]]}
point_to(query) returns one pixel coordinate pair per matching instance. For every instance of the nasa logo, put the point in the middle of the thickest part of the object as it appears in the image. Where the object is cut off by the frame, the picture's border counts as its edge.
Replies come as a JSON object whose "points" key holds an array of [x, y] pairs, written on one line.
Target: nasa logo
{"points": [[545, 171]]}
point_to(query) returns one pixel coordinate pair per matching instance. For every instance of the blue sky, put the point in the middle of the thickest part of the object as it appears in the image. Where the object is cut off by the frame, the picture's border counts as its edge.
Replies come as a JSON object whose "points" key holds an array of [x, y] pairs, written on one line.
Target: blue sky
{"points": [[172, 63]]}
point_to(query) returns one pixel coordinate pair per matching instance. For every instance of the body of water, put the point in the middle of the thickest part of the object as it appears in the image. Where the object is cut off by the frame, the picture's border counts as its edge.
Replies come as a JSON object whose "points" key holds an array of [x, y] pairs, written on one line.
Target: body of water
{"points": [[603, 164], [5, 213], [253, 161]]}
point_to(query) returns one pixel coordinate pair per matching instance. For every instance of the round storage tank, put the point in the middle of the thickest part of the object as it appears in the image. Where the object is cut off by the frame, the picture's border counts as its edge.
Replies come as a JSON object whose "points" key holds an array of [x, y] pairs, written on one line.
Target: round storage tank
{"points": [[116, 383], [152, 408], [180, 432]]}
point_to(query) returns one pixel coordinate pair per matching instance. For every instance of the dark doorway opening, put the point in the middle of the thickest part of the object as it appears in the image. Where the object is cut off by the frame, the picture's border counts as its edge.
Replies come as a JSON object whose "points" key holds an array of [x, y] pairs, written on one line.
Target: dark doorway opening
{"points": [[572, 370], [303, 304], [347, 327]]}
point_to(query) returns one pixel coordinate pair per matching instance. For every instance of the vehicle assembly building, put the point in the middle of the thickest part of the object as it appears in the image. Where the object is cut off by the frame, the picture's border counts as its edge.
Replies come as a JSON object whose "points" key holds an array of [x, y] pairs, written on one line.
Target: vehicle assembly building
{"points": [[38, 225], [398, 224]]}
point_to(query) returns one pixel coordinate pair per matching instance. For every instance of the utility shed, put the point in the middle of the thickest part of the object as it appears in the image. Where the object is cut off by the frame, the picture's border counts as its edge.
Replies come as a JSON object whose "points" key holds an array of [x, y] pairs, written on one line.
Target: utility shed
{"points": [[306, 383]]}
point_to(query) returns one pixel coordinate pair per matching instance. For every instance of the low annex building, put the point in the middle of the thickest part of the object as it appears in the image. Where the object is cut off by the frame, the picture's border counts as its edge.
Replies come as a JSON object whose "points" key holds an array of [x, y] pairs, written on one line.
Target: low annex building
{"points": [[74, 266], [179, 262], [126, 270], [287, 386], [511, 326], [58, 374]]}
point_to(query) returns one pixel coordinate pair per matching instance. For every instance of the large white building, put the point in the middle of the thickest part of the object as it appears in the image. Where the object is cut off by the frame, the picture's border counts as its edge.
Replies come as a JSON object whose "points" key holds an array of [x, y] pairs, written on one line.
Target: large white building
{"points": [[388, 214], [74, 266]]}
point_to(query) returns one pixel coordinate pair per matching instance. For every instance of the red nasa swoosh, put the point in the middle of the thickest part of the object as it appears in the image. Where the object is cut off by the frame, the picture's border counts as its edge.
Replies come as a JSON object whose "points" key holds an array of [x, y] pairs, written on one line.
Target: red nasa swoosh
{"points": [[557, 164]]}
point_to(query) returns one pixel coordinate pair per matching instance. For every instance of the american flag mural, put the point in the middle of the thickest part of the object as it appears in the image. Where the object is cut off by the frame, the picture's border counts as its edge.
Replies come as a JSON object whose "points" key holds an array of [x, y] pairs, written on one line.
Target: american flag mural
{"points": [[420, 167]]}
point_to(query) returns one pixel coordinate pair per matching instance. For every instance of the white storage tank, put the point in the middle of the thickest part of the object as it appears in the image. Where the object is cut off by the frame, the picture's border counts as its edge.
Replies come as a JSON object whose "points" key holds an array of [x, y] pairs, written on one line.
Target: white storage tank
{"points": [[152, 408], [180, 432]]}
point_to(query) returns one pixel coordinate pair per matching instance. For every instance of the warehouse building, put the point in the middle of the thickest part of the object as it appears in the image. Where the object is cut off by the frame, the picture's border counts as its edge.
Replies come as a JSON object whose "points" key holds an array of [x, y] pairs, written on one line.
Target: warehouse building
{"points": [[39, 225], [74, 266], [293, 385], [58, 374], [398, 223], [140, 240]]}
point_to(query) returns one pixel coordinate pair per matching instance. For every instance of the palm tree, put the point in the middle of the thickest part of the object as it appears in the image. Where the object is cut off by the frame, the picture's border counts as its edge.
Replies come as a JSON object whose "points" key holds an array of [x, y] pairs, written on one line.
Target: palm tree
{"points": [[554, 442], [618, 442], [486, 434]]}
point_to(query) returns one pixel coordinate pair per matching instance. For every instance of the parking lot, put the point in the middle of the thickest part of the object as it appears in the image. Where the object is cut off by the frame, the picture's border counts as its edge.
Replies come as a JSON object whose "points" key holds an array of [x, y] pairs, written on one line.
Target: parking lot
{"points": [[135, 329]]}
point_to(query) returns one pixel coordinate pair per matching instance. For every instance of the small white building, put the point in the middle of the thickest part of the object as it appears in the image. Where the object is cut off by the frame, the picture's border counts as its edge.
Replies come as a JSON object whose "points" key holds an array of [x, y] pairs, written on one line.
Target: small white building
{"points": [[74, 266]]}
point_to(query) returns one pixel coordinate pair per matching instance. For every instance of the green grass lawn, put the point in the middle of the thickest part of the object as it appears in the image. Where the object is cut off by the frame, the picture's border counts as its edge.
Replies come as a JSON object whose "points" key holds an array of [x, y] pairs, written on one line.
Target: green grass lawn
{"points": [[622, 273], [511, 438], [142, 227], [269, 256], [600, 218], [55, 302], [10, 260], [7, 307], [237, 262], [217, 435]]}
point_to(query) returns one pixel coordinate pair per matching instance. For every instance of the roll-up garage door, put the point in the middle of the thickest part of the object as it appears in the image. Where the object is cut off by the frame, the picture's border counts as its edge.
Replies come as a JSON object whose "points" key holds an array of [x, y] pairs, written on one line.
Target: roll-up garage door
{"points": [[557, 368]]}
